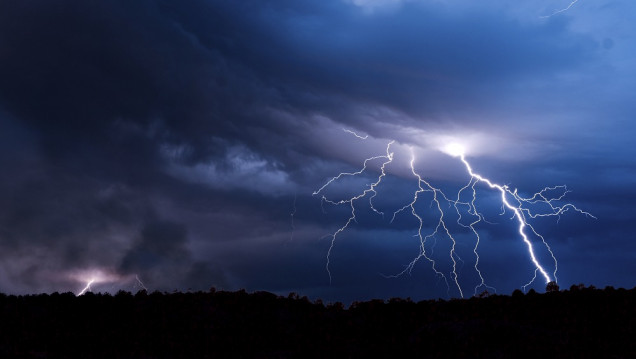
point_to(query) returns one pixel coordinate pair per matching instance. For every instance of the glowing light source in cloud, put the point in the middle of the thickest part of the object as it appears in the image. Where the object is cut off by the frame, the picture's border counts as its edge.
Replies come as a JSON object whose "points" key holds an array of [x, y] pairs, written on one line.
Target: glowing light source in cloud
{"points": [[454, 149]]}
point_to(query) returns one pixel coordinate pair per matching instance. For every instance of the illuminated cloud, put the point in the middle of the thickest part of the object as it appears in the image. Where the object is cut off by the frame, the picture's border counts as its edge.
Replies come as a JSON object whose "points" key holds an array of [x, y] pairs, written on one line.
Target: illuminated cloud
{"points": [[240, 168]]}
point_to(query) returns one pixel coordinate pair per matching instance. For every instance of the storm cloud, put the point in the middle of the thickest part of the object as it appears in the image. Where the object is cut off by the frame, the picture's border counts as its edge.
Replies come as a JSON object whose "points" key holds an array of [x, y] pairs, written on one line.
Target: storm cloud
{"points": [[181, 142]]}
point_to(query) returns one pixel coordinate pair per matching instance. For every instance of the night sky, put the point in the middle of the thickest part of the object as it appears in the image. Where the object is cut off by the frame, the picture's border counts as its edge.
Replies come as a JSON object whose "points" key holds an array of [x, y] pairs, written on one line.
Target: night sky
{"points": [[181, 142]]}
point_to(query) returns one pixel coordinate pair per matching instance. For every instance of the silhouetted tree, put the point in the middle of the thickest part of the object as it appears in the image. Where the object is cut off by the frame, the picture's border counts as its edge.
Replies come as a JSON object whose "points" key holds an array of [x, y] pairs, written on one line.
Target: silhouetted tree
{"points": [[591, 323], [484, 294], [552, 287], [336, 306], [577, 287]]}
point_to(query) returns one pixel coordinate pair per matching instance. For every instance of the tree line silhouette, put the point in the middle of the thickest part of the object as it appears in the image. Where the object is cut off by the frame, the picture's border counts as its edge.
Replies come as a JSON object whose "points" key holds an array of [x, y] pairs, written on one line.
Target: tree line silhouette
{"points": [[579, 322]]}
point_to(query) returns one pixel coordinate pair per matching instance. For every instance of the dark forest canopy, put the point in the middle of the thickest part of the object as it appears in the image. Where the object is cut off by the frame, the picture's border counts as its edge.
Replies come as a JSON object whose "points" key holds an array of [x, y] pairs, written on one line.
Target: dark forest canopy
{"points": [[580, 322]]}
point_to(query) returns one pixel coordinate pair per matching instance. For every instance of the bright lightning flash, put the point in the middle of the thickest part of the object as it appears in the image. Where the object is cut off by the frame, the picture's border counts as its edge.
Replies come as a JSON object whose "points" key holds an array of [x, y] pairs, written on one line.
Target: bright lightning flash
{"points": [[467, 214], [517, 206], [454, 149], [88, 287], [97, 276]]}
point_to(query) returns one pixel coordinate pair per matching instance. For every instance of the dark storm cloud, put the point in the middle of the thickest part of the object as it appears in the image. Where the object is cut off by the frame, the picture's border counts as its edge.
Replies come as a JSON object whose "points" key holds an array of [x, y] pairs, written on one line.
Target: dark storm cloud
{"points": [[167, 138], [117, 79], [196, 70], [77, 71], [161, 256]]}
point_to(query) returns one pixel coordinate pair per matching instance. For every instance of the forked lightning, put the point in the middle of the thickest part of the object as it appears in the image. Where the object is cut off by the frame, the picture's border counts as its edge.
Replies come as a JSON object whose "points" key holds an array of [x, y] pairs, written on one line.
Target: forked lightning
{"points": [[467, 214]]}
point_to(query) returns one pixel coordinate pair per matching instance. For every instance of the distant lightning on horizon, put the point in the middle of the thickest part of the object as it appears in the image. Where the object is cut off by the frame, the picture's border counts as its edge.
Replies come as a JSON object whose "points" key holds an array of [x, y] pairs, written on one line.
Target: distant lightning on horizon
{"points": [[467, 213], [101, 276], [87, 288]]}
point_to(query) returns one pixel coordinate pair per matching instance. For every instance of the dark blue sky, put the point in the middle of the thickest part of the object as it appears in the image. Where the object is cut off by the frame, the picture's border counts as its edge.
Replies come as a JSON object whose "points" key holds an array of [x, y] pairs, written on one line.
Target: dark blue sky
{"points": [[181, 142]]}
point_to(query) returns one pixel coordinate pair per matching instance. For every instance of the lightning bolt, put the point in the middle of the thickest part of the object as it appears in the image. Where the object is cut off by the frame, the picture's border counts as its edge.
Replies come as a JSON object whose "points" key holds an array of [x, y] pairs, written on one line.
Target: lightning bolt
{"points": [[561, 10], [140, 283], [472, 210], [425, 186], [388, 158], [518, 214], [355, 134], [87, 288], [96, 276], [549, 200], [514, 202]]}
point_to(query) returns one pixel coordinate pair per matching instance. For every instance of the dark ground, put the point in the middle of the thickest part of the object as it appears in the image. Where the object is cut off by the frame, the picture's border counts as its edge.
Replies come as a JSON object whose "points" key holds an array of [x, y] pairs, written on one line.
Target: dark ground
{"points": [[575, 323]]}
